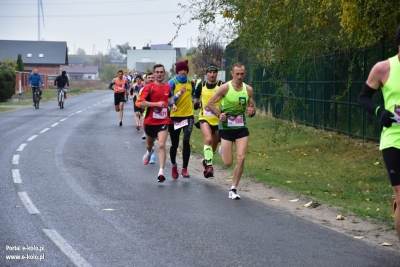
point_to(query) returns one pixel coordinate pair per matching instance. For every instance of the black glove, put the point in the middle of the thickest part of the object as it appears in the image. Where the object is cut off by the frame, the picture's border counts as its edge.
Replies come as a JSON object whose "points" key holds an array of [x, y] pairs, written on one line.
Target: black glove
{"points": [[386, 118], [197, 105]]}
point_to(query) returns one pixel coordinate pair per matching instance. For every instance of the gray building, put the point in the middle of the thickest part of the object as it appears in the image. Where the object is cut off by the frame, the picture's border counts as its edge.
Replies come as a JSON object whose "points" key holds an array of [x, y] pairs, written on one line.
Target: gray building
{"points": [[47, 56], [143, 60]]}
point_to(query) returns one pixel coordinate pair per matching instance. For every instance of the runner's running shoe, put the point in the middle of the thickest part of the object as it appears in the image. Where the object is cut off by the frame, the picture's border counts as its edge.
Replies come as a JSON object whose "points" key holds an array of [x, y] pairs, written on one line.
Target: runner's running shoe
{"points": [[153, 158], [185, 173], [208, 171], [161, 178], [233, 194], [146, 157], [174, 171]]}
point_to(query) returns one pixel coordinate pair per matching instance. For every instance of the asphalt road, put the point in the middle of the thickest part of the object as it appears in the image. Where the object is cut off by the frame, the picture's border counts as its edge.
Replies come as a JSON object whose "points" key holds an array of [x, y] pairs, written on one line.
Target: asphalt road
{"points": [[74, 192]]}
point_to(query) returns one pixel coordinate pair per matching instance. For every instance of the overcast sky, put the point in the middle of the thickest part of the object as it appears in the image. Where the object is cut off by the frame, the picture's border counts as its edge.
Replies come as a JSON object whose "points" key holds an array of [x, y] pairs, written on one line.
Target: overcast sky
{"points": [[88, 24]]}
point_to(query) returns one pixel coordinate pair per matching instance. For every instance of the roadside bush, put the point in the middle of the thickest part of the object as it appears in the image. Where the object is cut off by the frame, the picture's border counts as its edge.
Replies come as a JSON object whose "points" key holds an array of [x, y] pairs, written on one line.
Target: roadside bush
{"points": [[7, 82]]}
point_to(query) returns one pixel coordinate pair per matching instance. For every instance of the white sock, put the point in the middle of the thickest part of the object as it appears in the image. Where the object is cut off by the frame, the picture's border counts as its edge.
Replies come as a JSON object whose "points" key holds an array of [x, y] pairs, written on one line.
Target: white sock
{"points": [[233, 187], [161, 171]]}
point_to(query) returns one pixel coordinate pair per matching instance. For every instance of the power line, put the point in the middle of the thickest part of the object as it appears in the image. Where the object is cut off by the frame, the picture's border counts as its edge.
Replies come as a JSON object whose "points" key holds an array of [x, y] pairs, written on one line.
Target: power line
{"points": [[80, 2], [92, 15]]}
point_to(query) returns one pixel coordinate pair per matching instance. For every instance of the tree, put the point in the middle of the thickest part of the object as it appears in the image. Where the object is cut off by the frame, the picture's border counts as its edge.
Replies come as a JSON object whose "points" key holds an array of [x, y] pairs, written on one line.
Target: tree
{"points": [[7, 80], [123, 48], [209, 51], [20, 63], [274, 30], [80, 51], [108, 72]]}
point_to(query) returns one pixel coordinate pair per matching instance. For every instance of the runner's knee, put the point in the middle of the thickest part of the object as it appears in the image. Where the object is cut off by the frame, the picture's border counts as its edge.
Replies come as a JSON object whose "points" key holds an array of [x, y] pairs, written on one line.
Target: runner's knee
{"points": [[240, 158]]}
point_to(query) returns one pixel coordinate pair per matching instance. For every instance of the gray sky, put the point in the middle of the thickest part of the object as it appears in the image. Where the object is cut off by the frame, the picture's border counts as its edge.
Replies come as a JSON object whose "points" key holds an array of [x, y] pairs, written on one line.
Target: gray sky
{"points": [[88, 24]]}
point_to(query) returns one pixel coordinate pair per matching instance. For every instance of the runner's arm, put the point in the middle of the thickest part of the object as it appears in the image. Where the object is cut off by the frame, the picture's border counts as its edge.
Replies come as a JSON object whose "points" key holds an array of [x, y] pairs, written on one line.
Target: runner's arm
{"points": [[220, 93], [197, 95], [371, 86], [141, 101], [251, 106]]}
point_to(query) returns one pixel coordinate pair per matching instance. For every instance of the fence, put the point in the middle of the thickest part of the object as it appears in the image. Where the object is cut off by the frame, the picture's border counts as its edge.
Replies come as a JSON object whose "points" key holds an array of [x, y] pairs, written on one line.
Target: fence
{"points": [[319, 91], [22, 82]]}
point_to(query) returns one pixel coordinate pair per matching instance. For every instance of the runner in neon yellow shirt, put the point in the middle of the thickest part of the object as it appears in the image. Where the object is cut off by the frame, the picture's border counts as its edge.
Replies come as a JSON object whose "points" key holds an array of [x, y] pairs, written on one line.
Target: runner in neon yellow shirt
{"points": [[236, 103], [385, 75]]}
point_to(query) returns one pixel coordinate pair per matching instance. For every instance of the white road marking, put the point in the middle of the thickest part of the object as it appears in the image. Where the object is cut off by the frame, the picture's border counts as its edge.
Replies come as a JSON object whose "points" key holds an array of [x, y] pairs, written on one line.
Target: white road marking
{"points": [[44, 130], [15, 159], [79, 111], [32, 137], [54, 124], [28, 203], [63, 119], [16, 176], [21, 147], [66, 248]]}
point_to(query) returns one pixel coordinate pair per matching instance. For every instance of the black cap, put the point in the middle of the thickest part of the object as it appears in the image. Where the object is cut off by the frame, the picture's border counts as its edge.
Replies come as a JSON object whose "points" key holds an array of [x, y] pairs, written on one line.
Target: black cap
{"points": [[212, 68]]}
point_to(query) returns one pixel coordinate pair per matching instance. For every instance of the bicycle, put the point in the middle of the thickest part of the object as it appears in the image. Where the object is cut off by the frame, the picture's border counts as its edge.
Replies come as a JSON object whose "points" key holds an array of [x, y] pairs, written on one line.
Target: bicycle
{"points": [[36, 97], [61, 97]]}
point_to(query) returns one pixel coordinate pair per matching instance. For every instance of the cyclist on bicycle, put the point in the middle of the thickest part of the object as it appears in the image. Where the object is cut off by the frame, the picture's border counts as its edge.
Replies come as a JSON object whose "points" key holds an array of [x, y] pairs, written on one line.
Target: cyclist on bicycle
{"points": [[35, 81], [61, 81]]}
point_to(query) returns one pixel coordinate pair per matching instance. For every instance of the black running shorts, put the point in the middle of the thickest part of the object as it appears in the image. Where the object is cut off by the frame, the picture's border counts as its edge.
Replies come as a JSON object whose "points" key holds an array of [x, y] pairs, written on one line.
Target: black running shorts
{"points": [[232, 135], [118, 98], [153, 130], [391, 156]]}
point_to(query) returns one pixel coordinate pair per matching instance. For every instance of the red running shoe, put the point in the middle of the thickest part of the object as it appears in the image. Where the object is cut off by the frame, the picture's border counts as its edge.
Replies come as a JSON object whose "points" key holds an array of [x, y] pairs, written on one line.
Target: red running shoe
{"points": [[185, 173], [174, 171], [161, 178]]}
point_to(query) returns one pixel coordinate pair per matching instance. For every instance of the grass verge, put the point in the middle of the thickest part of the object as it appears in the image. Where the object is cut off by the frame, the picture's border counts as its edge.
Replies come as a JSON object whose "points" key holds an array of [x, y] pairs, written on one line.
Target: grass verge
{"points": [[331, 168]]}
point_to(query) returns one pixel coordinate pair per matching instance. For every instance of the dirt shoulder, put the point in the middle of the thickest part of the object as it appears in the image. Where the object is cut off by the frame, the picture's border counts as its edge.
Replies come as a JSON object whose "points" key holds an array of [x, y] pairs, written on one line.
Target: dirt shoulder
{"points": [[323, 215]]}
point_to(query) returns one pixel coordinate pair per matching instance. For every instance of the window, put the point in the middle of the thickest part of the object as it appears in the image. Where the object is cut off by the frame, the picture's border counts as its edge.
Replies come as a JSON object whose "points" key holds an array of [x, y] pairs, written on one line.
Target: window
{"points": [[29, 55], [41, 55]]}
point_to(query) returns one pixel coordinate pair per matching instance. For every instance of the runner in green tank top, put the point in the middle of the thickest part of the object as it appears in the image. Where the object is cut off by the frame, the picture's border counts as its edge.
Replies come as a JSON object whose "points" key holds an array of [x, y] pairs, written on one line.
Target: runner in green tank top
{"points": [[236, 102], [385, 75]]}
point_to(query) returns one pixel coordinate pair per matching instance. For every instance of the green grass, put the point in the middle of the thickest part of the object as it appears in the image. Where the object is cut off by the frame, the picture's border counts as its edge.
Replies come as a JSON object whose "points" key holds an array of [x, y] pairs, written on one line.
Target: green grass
{"points": [[47, 95], [328, 167]]}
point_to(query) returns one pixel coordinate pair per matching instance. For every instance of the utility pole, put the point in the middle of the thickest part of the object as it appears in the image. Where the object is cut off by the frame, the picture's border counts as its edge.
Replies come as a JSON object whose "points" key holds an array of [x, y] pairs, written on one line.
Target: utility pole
{"points": [[38, 18], [109, 45], [40, 13]]}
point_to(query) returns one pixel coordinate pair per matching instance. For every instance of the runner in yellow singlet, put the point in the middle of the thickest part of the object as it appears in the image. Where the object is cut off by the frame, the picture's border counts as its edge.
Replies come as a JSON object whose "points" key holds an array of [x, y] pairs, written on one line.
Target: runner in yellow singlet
{"points": [[208, 121]]}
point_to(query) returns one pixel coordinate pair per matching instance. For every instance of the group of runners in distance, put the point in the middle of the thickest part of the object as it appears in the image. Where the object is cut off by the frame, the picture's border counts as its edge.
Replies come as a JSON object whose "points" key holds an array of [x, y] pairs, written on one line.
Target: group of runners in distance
{"points": [[168, 108]]}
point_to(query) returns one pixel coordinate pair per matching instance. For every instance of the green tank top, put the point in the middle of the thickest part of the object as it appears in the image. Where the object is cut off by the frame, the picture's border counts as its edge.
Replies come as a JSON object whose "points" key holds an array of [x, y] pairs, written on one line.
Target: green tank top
{"points": [[234, 104], [390, 137]]}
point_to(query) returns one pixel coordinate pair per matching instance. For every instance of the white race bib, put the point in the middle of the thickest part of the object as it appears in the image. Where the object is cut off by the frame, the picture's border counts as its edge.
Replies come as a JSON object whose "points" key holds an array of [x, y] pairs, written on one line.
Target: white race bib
{"points": [[397, 113], [180, 124], [208, 113], [397, 117], [235, 121], [160, 114]]}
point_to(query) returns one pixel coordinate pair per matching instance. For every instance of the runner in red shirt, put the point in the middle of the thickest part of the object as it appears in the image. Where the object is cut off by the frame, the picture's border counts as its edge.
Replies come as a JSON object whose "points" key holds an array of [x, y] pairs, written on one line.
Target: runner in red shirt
{"points": [[155, 97]]}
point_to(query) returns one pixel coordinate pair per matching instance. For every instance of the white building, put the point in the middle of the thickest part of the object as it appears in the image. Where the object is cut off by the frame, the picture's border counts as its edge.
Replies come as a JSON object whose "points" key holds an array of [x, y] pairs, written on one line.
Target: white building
{"points": [[143, 60]]}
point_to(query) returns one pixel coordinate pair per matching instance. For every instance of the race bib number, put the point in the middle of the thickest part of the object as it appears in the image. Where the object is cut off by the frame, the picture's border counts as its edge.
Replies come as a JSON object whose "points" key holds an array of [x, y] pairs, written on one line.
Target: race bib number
{"points": [[235, 121], [180, 124], [208, 113], [397, 113], [160, 114]]}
